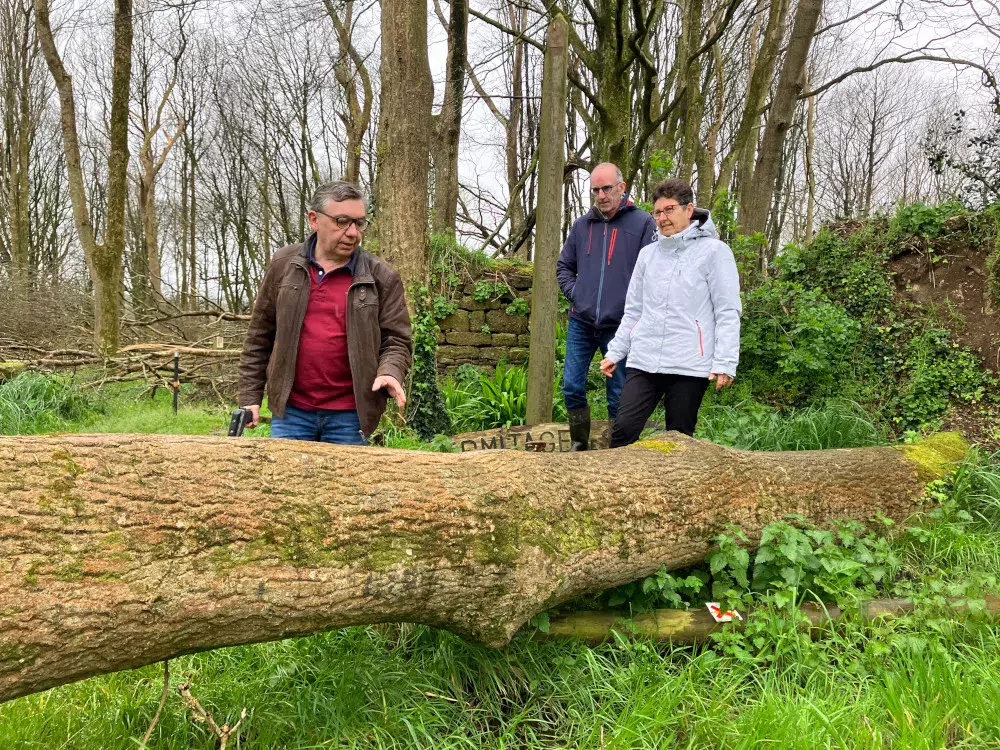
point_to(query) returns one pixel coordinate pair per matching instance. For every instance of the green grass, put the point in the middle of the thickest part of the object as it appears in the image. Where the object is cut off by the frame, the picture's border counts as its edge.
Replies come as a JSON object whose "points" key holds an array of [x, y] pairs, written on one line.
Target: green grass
{"points": [[753, 426], [31, 404], [416, 687], [128, 413]]}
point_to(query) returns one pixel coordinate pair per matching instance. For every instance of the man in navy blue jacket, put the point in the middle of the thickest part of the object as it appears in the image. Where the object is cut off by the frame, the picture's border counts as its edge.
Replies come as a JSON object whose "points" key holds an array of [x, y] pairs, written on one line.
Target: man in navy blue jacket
{"points": [[594, 270]]}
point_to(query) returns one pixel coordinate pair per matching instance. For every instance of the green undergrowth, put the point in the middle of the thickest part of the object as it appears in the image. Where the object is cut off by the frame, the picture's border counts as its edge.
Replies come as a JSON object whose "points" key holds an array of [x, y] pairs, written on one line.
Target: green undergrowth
{"points": [[750, 425], [827, 322]]}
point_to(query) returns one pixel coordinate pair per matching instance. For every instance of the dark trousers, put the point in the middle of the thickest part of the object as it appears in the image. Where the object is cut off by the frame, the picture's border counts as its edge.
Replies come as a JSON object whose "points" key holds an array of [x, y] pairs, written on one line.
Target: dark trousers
{"points": [[681, 396]]}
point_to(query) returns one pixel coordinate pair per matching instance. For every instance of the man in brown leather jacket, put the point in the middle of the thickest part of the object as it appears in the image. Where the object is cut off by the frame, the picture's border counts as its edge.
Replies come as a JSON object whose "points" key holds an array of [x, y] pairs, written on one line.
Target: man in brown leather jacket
{"points": [[330, 332]]}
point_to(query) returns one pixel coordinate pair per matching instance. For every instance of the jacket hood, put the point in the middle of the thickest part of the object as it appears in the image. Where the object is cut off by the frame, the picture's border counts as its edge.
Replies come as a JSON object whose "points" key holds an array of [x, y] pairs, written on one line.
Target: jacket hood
{"points": [[626, 205], [701, 226]]}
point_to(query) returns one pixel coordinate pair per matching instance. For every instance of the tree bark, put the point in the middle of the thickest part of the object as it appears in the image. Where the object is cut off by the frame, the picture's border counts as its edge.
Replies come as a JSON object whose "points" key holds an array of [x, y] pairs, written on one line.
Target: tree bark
{"points": [[120, 551], [810, 167], [20, 113], [404, 139], [551, 161], [694, 101], [755, 200]]}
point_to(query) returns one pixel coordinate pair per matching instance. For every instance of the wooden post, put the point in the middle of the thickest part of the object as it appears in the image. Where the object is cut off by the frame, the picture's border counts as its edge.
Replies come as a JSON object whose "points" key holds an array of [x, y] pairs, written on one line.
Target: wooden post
{"points": [[551, 159]]}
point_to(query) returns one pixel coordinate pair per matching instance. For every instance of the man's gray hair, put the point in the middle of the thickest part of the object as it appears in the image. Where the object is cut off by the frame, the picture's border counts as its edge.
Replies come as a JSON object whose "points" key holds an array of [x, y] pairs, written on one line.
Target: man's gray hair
{"points": [[618, 172], [337, 190]]}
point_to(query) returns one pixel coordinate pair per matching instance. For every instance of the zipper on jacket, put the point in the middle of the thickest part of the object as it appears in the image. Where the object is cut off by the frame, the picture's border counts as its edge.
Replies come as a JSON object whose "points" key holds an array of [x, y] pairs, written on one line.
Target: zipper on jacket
{"points": [[611, 250], [701, 343], [347, 332], [600, 285]]}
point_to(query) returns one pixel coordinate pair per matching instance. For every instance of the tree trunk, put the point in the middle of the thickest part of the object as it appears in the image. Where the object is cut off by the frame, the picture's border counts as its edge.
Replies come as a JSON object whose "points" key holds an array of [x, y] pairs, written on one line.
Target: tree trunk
{"points": [[151, 232], [551, 163], [757, 196], [404, 136], [22, 53], [519, 19], [694, 101], [105, 259], [761, 72], [810, 165], [449, 122], [120, 551]]}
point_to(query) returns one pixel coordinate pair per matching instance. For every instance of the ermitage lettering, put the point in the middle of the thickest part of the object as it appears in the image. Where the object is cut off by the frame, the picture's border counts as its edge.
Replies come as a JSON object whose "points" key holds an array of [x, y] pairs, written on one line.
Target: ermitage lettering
{"points": [[558, 442]]}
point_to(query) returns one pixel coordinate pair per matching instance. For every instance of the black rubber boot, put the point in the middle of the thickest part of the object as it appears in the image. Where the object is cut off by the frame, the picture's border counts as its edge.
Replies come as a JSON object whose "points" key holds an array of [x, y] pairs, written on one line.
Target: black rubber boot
{"points": [[579, 428]]}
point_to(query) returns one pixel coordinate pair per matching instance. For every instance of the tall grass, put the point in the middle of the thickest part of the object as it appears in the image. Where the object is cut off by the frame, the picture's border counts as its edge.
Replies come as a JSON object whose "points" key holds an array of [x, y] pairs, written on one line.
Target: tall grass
{"points": [[414, 687], [32, 403], [754, 426]]}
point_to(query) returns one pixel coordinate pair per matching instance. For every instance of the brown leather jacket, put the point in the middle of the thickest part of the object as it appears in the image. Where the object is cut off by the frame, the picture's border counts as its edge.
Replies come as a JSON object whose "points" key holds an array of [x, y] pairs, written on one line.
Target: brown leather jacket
{"points": [[378, 332]]}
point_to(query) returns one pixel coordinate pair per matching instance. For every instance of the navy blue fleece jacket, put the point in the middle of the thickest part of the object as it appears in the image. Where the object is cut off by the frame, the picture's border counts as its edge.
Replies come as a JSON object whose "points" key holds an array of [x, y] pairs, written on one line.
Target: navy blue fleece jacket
{"points": [[596, 262]]}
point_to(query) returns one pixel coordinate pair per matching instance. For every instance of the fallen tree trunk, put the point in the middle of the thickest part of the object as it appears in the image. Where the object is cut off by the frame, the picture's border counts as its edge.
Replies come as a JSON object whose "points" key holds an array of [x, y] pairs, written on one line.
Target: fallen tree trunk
{"points": [[686, 627], [119, 551]]}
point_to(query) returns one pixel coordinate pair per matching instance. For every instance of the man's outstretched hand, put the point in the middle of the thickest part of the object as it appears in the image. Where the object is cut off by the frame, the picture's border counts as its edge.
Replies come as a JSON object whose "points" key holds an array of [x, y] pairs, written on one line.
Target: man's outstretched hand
{"points": [[392, 387]]}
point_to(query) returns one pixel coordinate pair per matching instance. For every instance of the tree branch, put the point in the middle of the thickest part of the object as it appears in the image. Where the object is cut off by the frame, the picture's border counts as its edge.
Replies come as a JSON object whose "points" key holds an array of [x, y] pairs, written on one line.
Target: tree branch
{"points": [[989, 80]]}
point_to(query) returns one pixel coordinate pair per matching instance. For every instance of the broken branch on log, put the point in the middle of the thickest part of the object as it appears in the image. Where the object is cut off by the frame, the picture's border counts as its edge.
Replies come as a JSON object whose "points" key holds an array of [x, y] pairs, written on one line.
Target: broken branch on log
{"points": [[118, 551], [685, 627]]}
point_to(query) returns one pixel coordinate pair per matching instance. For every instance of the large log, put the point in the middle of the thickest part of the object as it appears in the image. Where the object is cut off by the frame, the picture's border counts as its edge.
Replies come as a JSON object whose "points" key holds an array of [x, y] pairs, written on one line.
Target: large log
{"points": [[120, 551]]}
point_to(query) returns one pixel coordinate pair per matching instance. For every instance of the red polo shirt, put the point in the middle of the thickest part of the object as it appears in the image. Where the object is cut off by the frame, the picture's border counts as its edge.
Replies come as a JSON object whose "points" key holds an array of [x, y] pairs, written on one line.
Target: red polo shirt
{"points": [[322, 368]]}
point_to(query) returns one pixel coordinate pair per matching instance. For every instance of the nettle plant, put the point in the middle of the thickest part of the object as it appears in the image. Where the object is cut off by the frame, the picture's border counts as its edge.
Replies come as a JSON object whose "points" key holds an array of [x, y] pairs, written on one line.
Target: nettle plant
{"points": [[491, 290]]}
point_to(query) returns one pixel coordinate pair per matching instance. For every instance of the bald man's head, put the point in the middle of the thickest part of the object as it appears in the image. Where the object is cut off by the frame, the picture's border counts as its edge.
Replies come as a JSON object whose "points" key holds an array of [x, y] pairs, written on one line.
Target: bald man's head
{"points": [[607, 188]]}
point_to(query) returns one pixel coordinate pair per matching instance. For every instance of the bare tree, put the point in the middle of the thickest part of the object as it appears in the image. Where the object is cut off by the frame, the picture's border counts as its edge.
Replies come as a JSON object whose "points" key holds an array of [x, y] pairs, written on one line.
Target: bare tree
{"points": [[104, 259], [353, 77], [18, 61], [151, 58]]}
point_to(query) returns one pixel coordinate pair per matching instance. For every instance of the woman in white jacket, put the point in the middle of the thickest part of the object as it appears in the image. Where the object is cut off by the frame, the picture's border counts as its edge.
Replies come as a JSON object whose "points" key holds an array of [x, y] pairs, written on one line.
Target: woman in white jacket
{"points": [[681, 327]]}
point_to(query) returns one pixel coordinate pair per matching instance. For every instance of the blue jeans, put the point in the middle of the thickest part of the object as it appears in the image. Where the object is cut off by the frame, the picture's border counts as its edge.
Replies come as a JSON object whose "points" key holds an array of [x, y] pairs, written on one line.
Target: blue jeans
{"points": [[326, 426], [581, 343]]}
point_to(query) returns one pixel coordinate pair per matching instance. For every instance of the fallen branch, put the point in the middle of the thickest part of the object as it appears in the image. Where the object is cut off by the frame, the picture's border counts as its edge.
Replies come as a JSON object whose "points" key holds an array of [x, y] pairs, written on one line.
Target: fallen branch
{"points": [[693, 626], [168, 350], [218, 315], [222, 733], [159, 708]]}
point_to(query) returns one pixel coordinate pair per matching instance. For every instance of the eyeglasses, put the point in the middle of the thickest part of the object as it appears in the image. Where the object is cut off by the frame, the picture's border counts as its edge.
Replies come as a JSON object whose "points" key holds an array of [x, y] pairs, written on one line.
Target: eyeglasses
{"points": [[596, 191], [669, 210], [343, 222]]}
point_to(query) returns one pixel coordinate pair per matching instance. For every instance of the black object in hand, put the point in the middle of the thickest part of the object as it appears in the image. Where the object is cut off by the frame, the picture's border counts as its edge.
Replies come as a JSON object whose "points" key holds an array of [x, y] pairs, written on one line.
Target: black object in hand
{"points": [[238, 421]]}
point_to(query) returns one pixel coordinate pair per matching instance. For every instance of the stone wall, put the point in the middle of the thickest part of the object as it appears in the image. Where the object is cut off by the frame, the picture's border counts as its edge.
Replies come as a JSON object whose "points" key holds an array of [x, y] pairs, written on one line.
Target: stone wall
{"points": [[481, 331]]}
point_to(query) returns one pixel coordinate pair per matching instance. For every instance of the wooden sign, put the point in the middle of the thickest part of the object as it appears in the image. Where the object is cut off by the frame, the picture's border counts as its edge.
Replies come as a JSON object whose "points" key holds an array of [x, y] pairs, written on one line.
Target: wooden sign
{"points": [[550, 437]]}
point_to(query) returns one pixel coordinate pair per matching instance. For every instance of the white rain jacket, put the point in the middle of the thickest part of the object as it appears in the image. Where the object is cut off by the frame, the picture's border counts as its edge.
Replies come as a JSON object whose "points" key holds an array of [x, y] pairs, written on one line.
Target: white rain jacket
{"points": [[682, 310]]}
